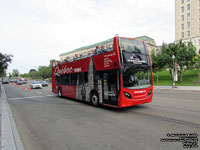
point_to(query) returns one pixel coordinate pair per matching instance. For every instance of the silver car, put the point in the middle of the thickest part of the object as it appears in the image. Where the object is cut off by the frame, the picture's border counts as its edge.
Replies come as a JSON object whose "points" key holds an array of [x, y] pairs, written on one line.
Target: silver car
{"points": [[36, 85]]}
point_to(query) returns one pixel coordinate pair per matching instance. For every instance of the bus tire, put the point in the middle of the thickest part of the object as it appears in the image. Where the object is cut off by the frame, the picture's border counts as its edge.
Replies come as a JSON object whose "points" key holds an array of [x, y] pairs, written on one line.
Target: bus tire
{"points": [[94, 99], [59, 92]]}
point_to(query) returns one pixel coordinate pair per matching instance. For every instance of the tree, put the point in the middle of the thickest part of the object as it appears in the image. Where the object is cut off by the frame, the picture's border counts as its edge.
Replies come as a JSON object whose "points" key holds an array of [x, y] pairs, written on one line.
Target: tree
{"points": [[15, 73], [33, 74], [25, 75], [4, 60], [159, 61], [186, 55], [183, 53], [32, 70], [196, 65], [10, 75], [44, 72]]}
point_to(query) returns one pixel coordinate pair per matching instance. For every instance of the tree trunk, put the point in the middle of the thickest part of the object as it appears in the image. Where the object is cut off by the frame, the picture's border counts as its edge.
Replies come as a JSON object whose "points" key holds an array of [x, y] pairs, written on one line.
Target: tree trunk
{"points": [[181, 77], [157, 75], [199, 77]]}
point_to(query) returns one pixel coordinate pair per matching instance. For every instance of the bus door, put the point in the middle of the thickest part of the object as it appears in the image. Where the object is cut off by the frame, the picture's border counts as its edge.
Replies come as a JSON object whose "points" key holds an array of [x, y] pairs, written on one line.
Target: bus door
{"points": [[110, 87]]}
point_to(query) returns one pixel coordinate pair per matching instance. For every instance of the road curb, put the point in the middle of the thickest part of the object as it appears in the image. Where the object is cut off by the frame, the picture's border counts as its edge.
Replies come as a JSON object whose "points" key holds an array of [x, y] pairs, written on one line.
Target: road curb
{"points": [[10, 137], [179, 88]]}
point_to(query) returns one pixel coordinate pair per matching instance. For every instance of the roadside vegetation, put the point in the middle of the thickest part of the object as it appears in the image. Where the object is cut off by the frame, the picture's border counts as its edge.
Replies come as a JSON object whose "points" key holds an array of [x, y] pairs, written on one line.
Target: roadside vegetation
{"points": [[190, 78], [43, 72], [5, 59], [177, 58]]}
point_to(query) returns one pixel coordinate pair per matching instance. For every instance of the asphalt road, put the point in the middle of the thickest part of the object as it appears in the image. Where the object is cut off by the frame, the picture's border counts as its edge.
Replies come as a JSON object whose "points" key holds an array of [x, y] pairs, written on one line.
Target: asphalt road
{"points": [[47, 122]]}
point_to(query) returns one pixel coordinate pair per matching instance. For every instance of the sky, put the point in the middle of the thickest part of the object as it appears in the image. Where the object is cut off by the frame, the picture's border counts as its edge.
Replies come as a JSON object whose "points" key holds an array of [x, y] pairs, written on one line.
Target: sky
{"points": [[36, 31]]}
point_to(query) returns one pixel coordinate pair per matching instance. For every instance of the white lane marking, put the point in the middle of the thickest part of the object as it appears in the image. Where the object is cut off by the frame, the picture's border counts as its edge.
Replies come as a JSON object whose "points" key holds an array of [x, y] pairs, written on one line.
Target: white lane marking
{"points": [[26, 97], [29, 97], [50, 95]]}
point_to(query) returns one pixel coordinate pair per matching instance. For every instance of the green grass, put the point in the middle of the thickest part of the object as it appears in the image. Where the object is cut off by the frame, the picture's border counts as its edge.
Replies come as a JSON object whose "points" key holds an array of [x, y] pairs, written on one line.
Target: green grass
{"points": [[190, 78]]}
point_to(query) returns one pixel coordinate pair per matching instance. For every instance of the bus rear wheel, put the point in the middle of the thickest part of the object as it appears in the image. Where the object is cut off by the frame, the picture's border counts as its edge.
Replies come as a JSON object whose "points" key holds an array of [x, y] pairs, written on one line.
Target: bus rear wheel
{"points": [[59, 92], [94, 99]]}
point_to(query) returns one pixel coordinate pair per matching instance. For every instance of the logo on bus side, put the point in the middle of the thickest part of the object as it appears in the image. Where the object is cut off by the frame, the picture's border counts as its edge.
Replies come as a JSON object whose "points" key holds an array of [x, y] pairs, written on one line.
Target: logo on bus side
{"points": [[144, 91], [62, 71]]}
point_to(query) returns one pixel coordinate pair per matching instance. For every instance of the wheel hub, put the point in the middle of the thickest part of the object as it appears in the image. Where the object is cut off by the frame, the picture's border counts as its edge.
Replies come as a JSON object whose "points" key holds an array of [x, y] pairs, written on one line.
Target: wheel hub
{"points": [[94, 99]]}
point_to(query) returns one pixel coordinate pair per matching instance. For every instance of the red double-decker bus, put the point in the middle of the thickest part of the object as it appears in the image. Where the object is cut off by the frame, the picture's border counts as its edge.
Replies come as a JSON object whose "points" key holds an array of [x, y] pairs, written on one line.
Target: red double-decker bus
{"points": [[117, 74]]}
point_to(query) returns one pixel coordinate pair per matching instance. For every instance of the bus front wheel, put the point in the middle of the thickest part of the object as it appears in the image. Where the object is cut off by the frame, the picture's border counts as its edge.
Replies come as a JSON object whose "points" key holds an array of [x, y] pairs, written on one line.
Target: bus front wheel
{"points": [[59, 92], [94, 99]]}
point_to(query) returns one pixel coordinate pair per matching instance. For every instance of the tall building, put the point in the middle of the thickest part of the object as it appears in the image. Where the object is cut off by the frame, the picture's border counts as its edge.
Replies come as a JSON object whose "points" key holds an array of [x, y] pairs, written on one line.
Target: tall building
{"points": [[187, 21]]}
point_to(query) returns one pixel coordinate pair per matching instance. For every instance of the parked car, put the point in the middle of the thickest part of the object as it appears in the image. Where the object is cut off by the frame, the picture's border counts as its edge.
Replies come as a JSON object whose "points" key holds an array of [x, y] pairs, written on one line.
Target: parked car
{"points": [[12, 80], [35, 85], [24, 82], [23, 79], [18, 82], [44, 83], [5, 82]]}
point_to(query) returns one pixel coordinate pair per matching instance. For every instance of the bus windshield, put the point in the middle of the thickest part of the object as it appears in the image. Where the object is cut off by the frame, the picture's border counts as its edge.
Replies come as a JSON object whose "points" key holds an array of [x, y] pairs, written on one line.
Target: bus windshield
{"points": [[137, 78], [130, 45]]}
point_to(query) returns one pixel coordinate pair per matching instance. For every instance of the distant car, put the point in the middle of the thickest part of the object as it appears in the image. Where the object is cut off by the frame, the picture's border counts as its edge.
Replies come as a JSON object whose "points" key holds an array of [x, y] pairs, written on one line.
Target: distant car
{"points": [[12, 80], [36, 85], [44, 83], [5, 82], [24, 82], [18, 82], [23, 79]]}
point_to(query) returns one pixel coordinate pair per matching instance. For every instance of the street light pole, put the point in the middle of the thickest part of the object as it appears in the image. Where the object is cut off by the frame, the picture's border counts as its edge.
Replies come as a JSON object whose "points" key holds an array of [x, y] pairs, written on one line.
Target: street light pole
{"points": [[173, 58]]}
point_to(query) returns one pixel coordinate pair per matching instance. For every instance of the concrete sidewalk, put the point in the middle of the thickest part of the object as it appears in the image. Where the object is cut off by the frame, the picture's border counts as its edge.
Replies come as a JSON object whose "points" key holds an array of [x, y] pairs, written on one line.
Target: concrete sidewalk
{"points": [[183, 88], [10, 139]]}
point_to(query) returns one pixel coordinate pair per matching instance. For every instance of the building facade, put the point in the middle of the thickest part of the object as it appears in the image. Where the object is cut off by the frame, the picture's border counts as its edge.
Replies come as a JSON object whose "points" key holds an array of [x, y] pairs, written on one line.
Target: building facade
{"points": [[150, 43], [187, 21]]}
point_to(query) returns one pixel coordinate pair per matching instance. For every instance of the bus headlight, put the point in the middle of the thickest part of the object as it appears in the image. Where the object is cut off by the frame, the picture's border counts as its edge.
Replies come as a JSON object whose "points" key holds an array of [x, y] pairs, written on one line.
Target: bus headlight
{"points": [[149, 93], [126, 94]]}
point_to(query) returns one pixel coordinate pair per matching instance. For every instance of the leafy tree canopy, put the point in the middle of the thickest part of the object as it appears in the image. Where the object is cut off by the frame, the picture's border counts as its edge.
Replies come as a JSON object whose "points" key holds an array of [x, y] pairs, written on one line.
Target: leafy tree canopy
{"points": [[44, 72], [32, 70], [15, 73], [4, 61], [184, 54]]}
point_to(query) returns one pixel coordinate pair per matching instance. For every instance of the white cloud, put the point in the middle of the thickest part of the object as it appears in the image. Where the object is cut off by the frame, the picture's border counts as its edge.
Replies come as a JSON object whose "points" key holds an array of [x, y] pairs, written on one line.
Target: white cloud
{"points": [[35, 31]]}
